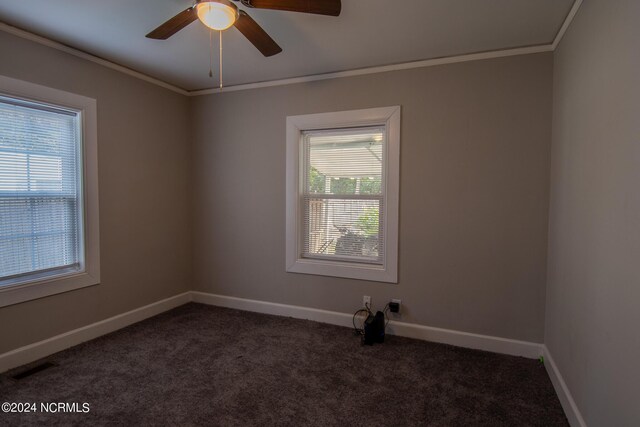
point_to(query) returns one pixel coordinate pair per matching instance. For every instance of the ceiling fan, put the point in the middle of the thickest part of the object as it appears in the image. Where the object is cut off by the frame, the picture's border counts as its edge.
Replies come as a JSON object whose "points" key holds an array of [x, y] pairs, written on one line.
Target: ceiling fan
{"points": [[222, 14]]}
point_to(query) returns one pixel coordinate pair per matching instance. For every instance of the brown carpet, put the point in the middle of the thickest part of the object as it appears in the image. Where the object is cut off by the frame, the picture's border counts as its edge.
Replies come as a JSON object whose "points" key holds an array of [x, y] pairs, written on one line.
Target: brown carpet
{"points": [[203, 365]]}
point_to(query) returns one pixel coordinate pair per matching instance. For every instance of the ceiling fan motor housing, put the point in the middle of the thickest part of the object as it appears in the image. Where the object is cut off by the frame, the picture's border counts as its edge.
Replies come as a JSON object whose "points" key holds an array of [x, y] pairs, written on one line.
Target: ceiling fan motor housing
{"points": [[217, 14]]}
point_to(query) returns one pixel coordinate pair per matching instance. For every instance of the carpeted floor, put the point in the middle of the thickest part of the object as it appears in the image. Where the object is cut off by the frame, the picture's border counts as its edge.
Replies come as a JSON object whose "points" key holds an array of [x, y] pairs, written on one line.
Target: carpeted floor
{"points": [[203, 365]]}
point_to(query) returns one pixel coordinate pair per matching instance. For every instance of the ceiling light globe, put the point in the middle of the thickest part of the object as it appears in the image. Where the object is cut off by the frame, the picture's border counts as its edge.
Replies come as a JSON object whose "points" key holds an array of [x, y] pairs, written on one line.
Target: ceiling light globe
{"points": [[217, 14]]}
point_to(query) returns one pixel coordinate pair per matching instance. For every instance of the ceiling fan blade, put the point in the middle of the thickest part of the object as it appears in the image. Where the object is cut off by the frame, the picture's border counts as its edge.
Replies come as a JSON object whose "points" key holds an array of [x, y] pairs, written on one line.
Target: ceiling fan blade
{"points": [[320, 7], [256, 35], [174, 24]]}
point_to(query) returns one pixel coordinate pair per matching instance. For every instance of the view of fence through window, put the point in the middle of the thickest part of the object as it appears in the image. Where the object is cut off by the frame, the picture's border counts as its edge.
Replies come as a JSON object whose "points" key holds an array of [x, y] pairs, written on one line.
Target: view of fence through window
{"points": [[40, 222], [343, 194]]}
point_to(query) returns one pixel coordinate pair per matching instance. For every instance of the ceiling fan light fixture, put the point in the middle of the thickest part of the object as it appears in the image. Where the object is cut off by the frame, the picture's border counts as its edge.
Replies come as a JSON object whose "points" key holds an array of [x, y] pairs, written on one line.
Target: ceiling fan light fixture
{"points": [[217, 14]]}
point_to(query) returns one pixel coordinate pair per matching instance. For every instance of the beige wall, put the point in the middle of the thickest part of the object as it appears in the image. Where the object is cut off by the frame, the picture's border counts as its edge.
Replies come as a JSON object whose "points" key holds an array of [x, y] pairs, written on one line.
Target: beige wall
{"points": [[473, 202], [144, 217], [593, 296]]}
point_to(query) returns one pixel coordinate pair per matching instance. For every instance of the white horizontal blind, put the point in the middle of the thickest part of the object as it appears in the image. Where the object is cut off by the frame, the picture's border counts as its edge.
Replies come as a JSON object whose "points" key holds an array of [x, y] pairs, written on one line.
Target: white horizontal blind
{"points": [[343, 196], [40, 187]]}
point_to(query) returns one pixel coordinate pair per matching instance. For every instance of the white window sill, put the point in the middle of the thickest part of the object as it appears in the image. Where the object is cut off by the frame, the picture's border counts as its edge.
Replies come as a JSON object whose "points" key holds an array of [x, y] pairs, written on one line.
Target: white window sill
{"points": [[40, 288], [376, 273]]}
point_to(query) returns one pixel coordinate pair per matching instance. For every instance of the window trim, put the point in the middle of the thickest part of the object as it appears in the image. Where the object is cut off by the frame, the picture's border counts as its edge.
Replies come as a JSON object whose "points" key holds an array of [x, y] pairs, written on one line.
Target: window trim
{"points": [[390, 118], [34, 287]]}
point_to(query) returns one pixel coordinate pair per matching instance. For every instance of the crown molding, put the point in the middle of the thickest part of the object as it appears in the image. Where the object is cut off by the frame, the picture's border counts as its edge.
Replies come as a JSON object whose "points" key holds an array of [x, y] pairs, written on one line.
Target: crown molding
{"points": [[526, 50], [381, 69], [565, 25], [88, 56]]}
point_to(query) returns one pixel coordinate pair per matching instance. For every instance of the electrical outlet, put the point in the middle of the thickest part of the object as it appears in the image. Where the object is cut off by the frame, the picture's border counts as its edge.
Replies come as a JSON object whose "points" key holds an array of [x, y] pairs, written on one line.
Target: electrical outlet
{"points": [[366, 301], [399, 302]]}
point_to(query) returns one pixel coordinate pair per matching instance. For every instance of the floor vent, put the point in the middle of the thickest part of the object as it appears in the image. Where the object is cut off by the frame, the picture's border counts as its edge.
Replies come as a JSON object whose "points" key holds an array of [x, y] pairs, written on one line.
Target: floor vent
{"points": [[38, 368]]}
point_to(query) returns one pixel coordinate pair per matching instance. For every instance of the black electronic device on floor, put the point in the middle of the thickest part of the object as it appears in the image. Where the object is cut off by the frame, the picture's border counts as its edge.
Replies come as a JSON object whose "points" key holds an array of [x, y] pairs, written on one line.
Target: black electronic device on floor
{"points": [[374, 328]]}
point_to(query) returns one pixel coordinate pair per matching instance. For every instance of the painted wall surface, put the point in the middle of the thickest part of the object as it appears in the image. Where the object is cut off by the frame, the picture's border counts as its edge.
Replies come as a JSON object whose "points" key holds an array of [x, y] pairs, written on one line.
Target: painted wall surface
{"points": [[473, 204], [593, 294], [143, 155]]}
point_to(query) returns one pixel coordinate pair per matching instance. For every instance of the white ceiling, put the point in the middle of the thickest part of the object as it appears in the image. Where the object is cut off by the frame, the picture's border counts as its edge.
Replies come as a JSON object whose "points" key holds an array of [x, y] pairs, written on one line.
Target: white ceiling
{"points": [[368, 33]]}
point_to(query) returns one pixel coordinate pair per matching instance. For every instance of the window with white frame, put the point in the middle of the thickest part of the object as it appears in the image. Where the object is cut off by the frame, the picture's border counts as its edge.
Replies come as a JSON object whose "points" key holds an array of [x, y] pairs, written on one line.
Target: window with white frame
{"points": [[48, 221], [342, 198]]}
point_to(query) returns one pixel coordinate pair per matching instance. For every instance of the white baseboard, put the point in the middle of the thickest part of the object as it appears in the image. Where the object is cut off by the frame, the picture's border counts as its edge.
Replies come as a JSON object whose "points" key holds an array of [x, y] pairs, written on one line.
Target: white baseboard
{"points": [[411, 330], [508, 346], [298, 312], [568, 404], [38, 350]]}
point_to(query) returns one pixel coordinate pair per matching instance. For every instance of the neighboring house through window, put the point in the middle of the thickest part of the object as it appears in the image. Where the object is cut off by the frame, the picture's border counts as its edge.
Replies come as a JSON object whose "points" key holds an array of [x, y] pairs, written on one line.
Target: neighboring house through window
{"points": [[342, 198]]}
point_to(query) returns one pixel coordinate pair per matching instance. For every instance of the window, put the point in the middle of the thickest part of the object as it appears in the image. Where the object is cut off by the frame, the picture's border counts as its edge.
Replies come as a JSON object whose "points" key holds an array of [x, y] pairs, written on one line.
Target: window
{"points": [[342, 194], [48, 225]]}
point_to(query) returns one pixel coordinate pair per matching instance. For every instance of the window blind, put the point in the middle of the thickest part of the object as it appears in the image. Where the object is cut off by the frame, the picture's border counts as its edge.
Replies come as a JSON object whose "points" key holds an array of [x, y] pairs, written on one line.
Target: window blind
{"points": [[40, 188], [343, 194]]}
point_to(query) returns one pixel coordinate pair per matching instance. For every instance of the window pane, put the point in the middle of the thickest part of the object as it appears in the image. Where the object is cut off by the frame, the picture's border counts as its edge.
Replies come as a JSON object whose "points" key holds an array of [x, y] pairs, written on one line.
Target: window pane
{"points": [[40, 220], [345, 161], [342, 228], [13, 171], [344, 194]]}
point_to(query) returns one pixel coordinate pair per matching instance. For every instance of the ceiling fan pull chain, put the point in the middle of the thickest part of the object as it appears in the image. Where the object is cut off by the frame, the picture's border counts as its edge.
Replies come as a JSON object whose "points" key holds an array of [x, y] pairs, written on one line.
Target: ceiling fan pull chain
{"points": [[210, 53], [220, 60]]}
